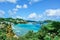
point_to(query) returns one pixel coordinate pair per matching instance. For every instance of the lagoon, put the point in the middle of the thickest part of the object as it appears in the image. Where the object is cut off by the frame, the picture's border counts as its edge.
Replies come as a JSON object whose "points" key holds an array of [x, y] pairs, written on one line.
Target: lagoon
{"points": [[22, 29]]}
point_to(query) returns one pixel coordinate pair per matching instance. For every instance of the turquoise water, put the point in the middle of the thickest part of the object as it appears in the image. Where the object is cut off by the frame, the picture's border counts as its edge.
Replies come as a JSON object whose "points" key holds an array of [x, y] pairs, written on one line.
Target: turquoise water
{"points": [[22, 29]]}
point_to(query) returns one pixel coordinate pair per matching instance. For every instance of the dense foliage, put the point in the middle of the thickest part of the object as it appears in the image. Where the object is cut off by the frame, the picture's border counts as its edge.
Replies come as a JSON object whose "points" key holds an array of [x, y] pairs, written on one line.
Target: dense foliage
{"points": [[48, 31], [12, 20]]}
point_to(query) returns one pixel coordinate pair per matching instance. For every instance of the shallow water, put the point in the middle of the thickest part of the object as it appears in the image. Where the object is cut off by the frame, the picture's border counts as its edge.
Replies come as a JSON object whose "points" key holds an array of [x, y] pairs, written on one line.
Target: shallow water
{"points": [[22, 29]]}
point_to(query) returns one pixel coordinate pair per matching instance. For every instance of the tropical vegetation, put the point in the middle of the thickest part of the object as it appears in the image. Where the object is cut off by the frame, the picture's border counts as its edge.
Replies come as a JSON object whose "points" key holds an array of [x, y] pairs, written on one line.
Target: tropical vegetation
{"points": [[48, 31]]}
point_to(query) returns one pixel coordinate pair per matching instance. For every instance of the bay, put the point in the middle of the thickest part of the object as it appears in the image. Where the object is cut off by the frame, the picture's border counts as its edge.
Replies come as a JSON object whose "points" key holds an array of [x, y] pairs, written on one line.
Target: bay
{"points": [[22, 29]]}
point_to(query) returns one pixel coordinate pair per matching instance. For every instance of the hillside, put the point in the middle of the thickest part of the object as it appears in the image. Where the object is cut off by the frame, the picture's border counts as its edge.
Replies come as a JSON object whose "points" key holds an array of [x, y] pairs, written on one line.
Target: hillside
{"points": [[49, 31]]}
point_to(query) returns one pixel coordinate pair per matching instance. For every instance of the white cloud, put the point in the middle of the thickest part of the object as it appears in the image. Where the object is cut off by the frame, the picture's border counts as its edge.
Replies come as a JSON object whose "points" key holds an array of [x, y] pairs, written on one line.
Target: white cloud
{"points": [[2, 13], [40, 16], [18, 17], [18, 6], [2, 0], [49, 14], [21, 6], [10, 12], [25, 6], [34, 16], [14, 10], [33, 1], [11, 1], [52, 12]]}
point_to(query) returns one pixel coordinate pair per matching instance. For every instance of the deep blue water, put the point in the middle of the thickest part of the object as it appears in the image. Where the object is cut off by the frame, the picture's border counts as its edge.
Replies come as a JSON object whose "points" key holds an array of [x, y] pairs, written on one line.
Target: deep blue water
{"points": [[22, 29]]}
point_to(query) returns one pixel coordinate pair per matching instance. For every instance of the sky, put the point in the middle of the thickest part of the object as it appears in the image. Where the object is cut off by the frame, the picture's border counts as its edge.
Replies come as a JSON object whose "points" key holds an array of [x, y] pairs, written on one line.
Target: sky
{"points": [[30, 9]]}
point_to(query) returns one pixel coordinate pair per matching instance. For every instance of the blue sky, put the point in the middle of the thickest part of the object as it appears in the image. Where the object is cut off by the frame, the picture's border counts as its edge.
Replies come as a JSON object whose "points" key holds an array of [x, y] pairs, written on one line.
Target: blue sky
{"points": [[30, 9]]}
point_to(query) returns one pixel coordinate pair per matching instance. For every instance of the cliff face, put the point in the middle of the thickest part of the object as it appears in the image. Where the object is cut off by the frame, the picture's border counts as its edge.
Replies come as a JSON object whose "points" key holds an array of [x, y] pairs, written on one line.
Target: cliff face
{"points": [[9, 31], [6, 32]]}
